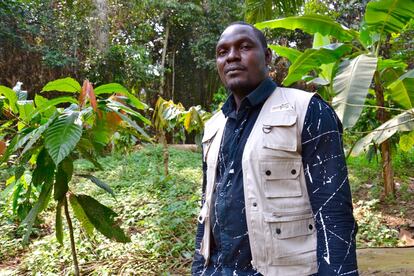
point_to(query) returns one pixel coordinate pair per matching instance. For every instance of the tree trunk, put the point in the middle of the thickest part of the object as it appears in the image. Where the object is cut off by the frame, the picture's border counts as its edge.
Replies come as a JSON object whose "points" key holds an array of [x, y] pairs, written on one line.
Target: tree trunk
{"points": [[101, 25], [383, 116], [164, 54], [166, 154]]}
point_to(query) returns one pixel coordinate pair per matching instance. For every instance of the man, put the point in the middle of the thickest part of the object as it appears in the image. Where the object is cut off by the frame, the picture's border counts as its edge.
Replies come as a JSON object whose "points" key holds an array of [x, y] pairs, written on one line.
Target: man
{"points": [[276, 198]]}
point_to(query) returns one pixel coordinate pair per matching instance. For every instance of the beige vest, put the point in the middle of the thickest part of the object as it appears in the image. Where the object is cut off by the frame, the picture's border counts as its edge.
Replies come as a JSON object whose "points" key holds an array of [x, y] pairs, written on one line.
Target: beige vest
{"points": [[279, 217]]}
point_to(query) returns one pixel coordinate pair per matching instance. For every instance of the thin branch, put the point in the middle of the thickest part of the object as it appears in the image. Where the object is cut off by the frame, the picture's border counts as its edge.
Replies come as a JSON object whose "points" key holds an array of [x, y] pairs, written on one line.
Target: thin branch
{"points": [[72, 240]]}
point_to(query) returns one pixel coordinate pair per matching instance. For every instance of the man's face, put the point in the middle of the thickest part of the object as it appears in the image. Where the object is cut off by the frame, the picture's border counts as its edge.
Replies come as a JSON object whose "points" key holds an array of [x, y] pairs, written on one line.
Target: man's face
{"points": [[241, 59]]}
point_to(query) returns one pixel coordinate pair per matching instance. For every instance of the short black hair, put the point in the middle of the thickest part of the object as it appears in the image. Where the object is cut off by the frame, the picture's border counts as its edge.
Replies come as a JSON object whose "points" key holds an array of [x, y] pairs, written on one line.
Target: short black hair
{"points": [[257, 32]]}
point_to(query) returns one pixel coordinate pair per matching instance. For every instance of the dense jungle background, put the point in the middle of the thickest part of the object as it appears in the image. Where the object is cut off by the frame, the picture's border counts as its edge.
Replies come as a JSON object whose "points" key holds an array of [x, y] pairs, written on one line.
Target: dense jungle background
{"points": [[103, 104]]}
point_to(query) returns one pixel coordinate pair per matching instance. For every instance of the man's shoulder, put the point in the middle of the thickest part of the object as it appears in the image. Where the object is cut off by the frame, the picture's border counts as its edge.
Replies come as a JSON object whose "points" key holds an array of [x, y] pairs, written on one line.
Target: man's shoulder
{"points": [[215, 119]]}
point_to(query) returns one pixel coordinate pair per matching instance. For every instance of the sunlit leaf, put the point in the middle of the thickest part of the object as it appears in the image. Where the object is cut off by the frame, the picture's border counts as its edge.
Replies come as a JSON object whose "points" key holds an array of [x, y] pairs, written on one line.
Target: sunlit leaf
{"points": [[351, 85], [402, 90], [63, 85], [389, 15], [287, 52], [10, 96], [402, 122], [312, 59], [310, 24], [63, 135], [80, 215]]}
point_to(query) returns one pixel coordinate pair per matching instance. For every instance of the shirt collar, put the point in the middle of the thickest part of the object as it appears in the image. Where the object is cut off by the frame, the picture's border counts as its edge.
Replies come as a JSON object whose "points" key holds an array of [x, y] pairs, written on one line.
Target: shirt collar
{"points": [[254, 98]]}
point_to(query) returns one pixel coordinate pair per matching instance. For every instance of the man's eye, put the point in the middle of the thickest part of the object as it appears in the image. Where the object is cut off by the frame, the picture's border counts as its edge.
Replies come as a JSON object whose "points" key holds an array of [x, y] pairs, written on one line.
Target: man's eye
{"points": [[221, 53], [245, 47]]}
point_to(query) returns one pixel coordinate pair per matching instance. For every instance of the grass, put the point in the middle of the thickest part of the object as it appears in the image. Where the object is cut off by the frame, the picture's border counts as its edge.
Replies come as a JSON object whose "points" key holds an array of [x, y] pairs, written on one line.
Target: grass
{"points": [[159, 214]]}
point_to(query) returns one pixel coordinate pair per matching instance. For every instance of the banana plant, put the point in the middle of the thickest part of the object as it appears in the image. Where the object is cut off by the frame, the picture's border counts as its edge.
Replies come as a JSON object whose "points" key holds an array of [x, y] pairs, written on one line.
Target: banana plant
{"points": [[48, 139], [346, 76]]}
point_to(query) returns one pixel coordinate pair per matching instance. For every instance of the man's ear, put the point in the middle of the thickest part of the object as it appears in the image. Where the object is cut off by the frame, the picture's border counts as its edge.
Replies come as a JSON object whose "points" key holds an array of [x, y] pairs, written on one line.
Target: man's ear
{"points": [[268, 56]]}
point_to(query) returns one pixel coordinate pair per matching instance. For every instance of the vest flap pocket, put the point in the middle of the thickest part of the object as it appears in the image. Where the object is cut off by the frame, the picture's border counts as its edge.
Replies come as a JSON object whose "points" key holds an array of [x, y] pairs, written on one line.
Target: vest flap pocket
{"points": [[291, 229], [280, 131], [281, 169], [292, 235], [285, 118]]}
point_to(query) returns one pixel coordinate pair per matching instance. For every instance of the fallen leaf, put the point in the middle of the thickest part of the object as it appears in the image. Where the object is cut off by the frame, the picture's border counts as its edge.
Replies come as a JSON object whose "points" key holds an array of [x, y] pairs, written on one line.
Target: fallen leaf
{"points": [[406, 237], [2, 147]]}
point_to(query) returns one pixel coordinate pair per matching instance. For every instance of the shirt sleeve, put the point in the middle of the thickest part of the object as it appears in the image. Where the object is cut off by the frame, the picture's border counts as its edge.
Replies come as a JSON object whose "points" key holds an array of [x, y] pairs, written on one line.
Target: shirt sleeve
{"points": [[198, 260], [329, 192]]}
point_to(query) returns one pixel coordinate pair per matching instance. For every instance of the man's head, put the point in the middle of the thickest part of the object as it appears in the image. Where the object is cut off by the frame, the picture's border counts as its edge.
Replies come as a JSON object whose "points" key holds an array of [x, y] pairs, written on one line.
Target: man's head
{"points": [[242, 57]]}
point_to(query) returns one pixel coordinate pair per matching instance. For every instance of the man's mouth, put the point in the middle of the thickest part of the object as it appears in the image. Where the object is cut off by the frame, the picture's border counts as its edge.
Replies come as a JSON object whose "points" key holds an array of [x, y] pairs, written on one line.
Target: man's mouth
{"points": [[234, 69]]}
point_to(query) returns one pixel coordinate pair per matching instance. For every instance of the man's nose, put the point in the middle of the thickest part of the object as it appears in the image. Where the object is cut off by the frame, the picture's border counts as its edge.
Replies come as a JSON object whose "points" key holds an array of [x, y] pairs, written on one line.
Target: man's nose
{"points": [[234, 54]]}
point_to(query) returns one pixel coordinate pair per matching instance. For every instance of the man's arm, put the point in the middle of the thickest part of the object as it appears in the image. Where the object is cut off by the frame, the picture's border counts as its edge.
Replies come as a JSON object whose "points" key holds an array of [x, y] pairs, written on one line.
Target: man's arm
{"points": [[328, 188], [198, 261]]}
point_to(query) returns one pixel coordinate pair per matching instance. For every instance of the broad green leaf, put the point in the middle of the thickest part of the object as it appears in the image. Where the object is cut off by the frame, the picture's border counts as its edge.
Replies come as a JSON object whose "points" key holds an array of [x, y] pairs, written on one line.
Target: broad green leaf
{"points": [[62, 178], [25, 110], [80, 215], [45, 169], [313, 58], [63, 85], [63, 135], [117, 88], [37, 208], [53, 102], [407, 141], [389, 16], [310, 24], [10, 96], [326, 69], [351, 85], [98, 183], [134, 125], [402, 122], [116, 106], [58, 223], [289, 53], [34, 136], [320, 40], [390, 63], [102, 218], [402, 90], [110, 88]]}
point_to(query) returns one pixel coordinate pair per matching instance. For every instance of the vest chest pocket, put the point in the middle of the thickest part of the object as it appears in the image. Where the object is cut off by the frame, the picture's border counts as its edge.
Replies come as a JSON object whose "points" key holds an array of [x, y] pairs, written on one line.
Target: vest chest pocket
{"points": [[293, 238], [281, 186], [280, 131]]}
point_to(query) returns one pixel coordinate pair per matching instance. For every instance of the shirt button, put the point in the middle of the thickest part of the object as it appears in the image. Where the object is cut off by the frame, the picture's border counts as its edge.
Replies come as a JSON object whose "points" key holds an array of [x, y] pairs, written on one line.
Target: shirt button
{"points": [[268, 172], [310, 226], [293, 171], [221, 194], [254, 204], [278, 231]]}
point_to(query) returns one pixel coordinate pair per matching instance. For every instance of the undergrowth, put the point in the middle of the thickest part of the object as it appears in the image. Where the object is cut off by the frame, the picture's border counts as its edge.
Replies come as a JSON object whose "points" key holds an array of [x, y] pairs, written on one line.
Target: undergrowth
{"points": [[159, 213]]}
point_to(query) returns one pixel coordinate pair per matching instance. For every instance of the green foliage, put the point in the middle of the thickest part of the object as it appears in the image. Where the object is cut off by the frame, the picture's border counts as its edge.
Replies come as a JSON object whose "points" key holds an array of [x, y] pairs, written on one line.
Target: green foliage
{"points": [[52, 141], [372, 231], [102, 218], [311, 24], [260, 10]]}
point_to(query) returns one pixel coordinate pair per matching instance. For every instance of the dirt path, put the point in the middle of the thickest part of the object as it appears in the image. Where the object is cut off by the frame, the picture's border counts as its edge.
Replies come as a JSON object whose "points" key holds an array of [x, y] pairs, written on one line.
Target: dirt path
{"points": [[386, 261]]}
